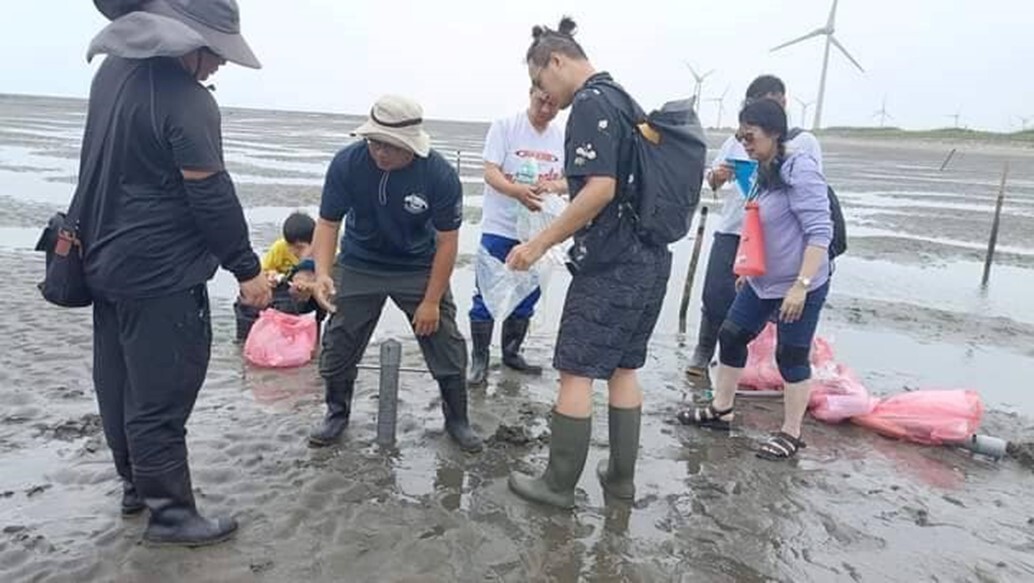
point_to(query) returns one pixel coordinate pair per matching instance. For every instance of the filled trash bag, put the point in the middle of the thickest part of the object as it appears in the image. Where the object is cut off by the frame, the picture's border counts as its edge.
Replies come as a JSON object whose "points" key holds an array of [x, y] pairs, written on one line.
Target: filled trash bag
{"points": [[502, 289], [761, 372], [838, 395], [928, 416], [279, 340]]}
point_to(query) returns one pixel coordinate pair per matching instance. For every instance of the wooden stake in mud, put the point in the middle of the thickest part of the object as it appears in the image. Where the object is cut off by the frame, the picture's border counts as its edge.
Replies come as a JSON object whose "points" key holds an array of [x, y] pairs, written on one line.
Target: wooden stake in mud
{"points": [[993, 241], [948, 159], [387, 404], [459, 160], [688, 289]]}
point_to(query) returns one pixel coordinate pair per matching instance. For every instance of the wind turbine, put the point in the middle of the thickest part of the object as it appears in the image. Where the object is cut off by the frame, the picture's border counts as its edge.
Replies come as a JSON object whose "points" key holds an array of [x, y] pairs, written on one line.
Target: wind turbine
{"points": [[882, 113], [955, 116], [1024, 122], [804, 110], [826, 31], [699, 87], [721, 106]]}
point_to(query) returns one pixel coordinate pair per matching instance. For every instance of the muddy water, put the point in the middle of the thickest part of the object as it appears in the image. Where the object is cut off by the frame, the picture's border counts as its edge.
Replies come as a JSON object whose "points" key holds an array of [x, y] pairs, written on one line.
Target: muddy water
{"points": [[852, 507]]}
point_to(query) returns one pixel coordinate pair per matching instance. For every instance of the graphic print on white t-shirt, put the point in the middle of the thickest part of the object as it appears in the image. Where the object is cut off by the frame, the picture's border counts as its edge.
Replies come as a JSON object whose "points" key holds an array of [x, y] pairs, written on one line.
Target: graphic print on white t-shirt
{"points": [[509, 143]]}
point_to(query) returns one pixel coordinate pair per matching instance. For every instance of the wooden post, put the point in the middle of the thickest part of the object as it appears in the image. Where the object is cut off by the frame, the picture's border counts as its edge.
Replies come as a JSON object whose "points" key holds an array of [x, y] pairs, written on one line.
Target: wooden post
{"points": [[688, 289], [459, 160], [993, 241], [948, 159], [387, 404]]}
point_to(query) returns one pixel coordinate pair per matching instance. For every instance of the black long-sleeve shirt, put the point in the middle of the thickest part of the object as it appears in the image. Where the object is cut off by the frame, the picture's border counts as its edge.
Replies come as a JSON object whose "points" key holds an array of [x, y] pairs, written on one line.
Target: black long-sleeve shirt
{"points": [[145, 231]]}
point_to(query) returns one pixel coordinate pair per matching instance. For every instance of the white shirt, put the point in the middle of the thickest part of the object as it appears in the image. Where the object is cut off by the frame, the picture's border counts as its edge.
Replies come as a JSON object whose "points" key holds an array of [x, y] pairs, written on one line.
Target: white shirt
{"points": [[732, 208], [510, 141]]}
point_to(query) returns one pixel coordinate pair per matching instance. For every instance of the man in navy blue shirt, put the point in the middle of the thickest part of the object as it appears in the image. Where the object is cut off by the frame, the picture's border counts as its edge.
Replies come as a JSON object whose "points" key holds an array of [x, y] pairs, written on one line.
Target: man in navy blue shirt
{"points": [[403, 205]]}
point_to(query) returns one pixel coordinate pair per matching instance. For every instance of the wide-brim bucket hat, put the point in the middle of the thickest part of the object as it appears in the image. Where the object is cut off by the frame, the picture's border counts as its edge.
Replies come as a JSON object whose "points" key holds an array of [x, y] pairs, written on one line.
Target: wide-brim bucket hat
{"points": [[143, 29], [398, 121]]}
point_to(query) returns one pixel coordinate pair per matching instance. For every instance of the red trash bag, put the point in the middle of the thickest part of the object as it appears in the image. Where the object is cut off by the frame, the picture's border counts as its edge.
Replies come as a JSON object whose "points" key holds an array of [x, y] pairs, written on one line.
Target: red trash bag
{"points": [[838, 395], [927, 417], [279, 340]]}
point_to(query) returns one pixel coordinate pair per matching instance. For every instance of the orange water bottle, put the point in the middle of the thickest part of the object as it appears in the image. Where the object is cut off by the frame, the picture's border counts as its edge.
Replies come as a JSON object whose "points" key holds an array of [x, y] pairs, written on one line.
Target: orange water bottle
{"points": [[750, 256]]}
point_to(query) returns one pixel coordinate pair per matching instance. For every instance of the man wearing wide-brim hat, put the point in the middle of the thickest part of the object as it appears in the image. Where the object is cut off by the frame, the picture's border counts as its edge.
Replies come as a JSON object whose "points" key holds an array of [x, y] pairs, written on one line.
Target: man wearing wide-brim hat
{"points": [[158, 215], [403, 203]]}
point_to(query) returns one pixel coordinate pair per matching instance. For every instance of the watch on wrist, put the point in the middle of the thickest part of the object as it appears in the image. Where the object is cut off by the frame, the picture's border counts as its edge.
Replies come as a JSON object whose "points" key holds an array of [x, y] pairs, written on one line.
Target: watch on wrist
{"points": [[804, 281]]}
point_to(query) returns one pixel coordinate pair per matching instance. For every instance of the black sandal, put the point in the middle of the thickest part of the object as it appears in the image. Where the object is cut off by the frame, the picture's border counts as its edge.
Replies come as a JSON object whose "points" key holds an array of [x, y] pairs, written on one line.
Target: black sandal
{"points": [[781, 446], [705, 417]]}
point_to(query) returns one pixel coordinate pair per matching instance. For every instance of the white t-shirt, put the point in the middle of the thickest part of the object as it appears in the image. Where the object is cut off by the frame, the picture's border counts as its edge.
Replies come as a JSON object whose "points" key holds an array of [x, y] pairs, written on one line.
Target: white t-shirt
{"points": [[510, 141], [732, 207]]}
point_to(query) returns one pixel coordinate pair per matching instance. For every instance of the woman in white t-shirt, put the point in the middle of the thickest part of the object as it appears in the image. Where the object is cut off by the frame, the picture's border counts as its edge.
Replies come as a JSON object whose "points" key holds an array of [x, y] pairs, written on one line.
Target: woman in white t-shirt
{"points": [[719, 281], [528, 140]]}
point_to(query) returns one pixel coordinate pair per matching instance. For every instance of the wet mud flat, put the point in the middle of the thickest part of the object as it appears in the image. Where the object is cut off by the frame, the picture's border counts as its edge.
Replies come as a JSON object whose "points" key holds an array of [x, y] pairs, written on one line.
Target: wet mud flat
{"points": [[852, 507]]}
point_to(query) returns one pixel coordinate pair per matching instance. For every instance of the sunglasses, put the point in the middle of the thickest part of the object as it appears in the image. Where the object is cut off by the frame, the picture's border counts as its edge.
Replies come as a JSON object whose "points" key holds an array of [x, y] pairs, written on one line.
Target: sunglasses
{"points": [[745, 137]]}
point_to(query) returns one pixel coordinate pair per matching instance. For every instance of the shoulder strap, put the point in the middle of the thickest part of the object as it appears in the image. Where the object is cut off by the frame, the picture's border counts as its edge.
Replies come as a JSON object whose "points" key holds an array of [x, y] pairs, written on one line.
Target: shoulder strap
{"points": [[793, 133]]}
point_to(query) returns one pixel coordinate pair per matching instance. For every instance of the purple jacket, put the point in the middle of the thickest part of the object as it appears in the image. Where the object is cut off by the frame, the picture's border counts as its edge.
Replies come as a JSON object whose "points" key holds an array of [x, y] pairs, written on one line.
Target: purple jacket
{"points": [[793, 217]]}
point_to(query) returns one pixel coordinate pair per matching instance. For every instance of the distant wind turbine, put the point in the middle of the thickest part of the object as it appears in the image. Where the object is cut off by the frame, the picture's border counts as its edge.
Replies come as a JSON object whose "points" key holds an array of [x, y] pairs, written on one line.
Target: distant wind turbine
{"points": [[721, 106], [826, 31], [698, 88], [955, 116], [1024, 122], [882, 113], [804, 110]]}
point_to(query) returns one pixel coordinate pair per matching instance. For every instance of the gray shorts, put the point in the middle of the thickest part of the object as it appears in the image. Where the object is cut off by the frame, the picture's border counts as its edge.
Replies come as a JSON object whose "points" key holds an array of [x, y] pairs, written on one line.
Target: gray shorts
{"points": [[609, 316]]}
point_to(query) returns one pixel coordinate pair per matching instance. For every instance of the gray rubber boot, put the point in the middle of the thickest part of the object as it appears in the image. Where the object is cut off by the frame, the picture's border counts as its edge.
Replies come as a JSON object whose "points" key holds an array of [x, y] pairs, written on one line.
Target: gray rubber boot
{"points": [[617, 474], [568, 448], [707, 342], [338, 395], [481, 339], [515, 330]]}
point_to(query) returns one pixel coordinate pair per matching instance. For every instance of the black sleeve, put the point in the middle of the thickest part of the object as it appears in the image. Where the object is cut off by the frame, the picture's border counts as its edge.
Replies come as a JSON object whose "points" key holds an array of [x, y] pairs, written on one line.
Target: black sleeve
{"points": [[593, 135], [336, 203], [447, 199], [218, 214], [193, 128]]}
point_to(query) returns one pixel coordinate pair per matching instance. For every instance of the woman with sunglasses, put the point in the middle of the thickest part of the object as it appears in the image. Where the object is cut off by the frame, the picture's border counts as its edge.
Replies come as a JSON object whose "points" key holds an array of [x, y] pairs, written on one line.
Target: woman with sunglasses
{"points": [[795, 217]]}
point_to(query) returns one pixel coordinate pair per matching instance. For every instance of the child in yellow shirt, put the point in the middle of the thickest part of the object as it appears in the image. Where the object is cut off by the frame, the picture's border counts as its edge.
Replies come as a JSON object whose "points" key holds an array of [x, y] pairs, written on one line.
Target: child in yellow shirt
{"points": [[288, 264]]}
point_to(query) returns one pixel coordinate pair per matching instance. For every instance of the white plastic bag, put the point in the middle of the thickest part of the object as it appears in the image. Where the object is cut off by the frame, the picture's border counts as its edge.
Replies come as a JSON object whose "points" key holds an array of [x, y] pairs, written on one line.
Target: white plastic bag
{"points": [[531, 223], [502, 288]]}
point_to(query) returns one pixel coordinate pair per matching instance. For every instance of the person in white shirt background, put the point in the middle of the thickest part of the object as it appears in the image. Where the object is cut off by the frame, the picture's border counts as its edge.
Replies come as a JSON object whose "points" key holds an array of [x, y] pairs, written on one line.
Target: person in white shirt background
{"points": [[720, 282], [524, 159]]}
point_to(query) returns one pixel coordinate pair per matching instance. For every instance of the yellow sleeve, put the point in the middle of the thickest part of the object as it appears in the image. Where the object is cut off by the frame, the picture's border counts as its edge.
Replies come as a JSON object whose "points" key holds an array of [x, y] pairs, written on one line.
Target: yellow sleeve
{"points": [[278, 258]]}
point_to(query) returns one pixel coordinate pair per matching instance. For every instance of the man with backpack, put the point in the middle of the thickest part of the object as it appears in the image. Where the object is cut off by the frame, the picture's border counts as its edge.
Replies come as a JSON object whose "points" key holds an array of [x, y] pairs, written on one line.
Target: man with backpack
{"points": [[719, 281], [619, 275]]}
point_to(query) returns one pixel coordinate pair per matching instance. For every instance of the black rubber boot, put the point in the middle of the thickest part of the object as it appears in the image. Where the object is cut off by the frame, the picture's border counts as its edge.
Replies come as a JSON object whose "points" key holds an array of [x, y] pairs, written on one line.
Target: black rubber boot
{"points": [[617, 474], [454, 407], [514, 332], [481, 338], [174, 516], [707, 341], [568, 448], [132, 503], [339, 406]]}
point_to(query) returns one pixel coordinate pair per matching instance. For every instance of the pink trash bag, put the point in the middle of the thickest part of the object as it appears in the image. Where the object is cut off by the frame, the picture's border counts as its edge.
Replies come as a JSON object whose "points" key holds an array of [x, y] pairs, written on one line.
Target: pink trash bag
{"points": [[279, 340], [762, 373], [838, 395], [927, 417]]}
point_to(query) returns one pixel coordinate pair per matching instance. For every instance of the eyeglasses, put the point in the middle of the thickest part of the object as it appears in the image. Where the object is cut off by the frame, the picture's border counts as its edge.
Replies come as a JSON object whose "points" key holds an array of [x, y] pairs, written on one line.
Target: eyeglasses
{"points": [[385, 147], [745, 138]]}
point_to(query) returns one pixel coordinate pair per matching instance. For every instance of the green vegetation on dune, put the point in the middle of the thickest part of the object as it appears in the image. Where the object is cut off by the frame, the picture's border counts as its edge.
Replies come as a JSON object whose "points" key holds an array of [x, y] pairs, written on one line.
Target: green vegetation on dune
{"points": [[960, 134]]}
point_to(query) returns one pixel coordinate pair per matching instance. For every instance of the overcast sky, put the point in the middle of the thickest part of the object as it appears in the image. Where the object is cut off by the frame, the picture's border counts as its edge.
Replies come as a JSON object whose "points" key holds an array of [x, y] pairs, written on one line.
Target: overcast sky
{"points": [[463, 58]]}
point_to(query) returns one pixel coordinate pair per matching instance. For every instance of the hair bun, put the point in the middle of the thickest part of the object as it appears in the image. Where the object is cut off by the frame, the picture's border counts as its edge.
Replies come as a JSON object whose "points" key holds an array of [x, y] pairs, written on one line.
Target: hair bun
{"points": [[567, 26], [538, 32]]}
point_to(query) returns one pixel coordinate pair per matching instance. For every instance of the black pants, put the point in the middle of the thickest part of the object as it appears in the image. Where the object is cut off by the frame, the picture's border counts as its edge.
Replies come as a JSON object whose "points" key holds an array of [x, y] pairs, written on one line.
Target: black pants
{"points": [[360, 299], [150, 357], [720, 281]]}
